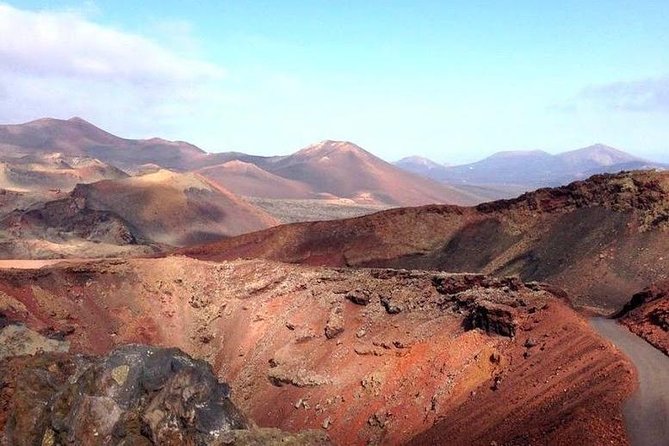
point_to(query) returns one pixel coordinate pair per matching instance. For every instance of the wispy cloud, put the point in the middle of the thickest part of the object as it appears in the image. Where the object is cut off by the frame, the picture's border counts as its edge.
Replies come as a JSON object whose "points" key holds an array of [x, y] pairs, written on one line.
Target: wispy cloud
{"points": [[646, 95], [61, 63]]}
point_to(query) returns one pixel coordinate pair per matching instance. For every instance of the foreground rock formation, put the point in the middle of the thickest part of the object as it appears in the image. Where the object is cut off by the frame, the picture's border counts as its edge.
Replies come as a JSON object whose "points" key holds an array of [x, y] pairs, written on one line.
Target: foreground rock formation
{"points": [[366, 356], [136, 395], [601, 239]]}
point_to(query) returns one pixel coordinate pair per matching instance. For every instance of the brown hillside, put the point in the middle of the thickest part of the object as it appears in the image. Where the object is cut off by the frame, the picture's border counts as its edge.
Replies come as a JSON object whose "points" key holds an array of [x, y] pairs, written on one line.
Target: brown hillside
{"points": [[53, 171], [130, 216], [175, 209], [249, 180], [76, 137], [600, 239]]}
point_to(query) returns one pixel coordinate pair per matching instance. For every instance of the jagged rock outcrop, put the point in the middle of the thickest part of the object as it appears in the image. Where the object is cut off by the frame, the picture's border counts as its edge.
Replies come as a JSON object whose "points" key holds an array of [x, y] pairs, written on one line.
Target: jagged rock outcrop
{"points": [[647, 194], [136, 395], [487, 303]]}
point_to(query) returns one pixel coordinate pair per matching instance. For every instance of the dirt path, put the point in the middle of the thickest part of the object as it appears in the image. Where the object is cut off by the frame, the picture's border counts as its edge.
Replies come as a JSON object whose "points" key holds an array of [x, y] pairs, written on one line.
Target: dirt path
{"points": [[647, 410], [27, 264]]}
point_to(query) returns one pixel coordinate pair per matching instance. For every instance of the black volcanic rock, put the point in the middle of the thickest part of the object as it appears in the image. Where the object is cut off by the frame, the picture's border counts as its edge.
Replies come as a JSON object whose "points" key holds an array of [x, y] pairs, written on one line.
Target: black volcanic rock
{"points": [[135, 395]]}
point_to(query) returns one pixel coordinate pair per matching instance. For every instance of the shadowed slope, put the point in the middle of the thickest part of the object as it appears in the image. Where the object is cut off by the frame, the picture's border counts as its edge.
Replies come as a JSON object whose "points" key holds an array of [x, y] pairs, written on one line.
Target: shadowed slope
{"points": [[601, 239], [175, 209], [647, 315]]}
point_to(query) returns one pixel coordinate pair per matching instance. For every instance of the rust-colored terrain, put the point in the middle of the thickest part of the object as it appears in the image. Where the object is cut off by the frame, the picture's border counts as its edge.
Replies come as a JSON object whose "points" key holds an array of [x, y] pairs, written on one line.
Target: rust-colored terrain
{"points": [[601, 239], [174, 323], [647, 315], [365, 355]]}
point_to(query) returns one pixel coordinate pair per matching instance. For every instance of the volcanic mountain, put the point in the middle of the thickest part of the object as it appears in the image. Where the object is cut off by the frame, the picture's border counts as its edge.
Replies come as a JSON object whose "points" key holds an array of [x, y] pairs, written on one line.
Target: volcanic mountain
{"points": [[327, 169], [528, 170], [421, 165], [343, 169], [129, 215], [366, 356], [601, 239], [77, 137]]}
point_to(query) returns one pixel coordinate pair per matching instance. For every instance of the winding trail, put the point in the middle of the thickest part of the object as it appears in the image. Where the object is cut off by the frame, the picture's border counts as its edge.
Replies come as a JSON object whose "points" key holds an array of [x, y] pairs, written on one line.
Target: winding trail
{"points": [[646, 412]]}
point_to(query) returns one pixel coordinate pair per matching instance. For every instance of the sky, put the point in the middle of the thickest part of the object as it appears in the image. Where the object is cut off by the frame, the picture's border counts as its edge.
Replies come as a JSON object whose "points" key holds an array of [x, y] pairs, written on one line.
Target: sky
{"points": [[454, 81]]}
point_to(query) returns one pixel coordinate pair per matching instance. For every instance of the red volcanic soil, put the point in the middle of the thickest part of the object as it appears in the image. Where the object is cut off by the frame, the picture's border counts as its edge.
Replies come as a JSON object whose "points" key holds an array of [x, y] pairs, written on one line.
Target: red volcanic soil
{"points": [[379, 356], [647, 315], [601, 239]]}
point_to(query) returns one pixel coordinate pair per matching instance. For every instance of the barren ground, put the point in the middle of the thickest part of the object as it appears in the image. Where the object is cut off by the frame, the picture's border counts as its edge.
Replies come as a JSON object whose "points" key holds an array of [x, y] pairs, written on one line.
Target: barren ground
{"points": [[404, 362]]}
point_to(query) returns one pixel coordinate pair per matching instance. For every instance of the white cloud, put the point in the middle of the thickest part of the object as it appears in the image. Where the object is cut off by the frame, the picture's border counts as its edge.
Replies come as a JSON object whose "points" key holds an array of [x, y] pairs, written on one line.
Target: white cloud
{"points": [[645, 95], [65, 43], [62, 63]]}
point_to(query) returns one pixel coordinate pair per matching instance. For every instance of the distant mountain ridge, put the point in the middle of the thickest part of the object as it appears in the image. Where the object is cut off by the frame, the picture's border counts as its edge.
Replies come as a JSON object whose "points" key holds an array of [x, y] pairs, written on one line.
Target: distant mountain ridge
{"points": [[328, 169], [325, 170], [532, 169]]}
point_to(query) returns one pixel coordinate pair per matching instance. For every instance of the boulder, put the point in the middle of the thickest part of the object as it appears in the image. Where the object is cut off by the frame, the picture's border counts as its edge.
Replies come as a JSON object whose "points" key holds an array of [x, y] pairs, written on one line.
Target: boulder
{"points": [[135, 395]]}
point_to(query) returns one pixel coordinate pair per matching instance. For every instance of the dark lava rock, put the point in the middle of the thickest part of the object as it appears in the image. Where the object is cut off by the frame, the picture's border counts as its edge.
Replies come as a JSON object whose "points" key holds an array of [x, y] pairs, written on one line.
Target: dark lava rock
{"points": [[530, 342], [388, 304], [491, 317], [649, 294], [360, 297], [137, 395]]}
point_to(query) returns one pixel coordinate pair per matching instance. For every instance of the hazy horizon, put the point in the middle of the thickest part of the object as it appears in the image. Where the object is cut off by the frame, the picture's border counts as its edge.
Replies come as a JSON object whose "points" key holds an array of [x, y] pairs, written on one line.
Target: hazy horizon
{"points": [[451, 81]]}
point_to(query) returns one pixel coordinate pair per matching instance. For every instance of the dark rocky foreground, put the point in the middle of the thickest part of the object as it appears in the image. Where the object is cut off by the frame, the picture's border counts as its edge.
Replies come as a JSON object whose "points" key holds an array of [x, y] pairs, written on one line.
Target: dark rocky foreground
{"points": [[136, 395], [647, 315]]}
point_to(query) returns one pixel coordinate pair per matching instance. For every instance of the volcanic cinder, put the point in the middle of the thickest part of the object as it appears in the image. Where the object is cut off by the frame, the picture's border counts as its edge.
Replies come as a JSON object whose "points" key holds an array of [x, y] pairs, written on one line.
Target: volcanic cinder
{"points": [[367, 355]]}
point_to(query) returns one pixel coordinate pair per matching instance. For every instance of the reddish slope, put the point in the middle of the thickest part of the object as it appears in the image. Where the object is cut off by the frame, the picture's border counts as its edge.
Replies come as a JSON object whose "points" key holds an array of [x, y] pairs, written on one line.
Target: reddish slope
{"points": [[345, 170], [370, 355], [612, 229]]}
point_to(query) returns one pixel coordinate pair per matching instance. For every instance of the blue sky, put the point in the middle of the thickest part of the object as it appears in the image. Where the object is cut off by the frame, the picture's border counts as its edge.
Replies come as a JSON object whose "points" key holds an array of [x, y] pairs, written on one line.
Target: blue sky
{"points": [[454, 81]]}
